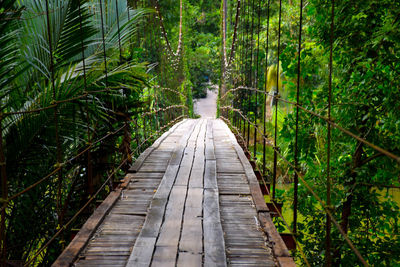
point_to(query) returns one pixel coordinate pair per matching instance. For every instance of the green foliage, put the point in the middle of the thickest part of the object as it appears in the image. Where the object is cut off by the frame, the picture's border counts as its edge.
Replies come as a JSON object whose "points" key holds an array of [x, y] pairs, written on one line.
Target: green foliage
{"points": [[366, 67], [203, 43], [85, 104], [366, 45]]}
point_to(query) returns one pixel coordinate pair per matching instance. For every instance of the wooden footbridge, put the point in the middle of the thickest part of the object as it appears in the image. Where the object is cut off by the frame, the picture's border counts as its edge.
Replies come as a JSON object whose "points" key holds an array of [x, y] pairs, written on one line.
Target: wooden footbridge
{"points": [[191, 199], [87, 86]]}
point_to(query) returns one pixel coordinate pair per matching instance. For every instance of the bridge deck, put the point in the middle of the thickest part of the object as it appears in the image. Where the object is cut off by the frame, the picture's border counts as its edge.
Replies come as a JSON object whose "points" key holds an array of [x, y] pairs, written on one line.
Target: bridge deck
{"points": [[192, 201]]}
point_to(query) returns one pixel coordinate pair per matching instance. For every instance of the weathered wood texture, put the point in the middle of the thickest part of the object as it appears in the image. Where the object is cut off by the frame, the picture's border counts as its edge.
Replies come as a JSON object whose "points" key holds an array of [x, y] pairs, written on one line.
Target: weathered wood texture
{"points": [[245, 241], [193, 200], [107, 237]]}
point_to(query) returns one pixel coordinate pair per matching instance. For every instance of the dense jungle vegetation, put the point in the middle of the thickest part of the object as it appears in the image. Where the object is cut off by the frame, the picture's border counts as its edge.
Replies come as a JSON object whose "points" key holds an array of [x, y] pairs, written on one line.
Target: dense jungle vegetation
{"points": [[365, 196], [76, 110], [85, 87]]}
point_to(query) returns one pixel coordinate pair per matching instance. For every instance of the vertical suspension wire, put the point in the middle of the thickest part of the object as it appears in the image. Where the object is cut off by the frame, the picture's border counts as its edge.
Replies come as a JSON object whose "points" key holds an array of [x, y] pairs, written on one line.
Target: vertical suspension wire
{"points": [[59, 173], [238, 58], [89, 153], [328, 257], [247, 74], [245, 93], [276, 94], [250, 74], [157, 47], [105, 61], [4, 196], [104, 44], [126, 150], [128, 9], [296, 156], [160, 69], [256, 79], [236, 65], [224, 61], [240, 64], [119, 32], [232, 52], [144, 33], [265, 90]]}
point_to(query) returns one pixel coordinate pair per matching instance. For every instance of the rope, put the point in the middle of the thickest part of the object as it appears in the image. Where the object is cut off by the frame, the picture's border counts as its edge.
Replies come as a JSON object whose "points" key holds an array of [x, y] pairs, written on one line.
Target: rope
{"points": [[309, 188], [164, 32], [273, 202], [108, 179], [232, 54], [55, 104], [331, 122], [91, 145]]}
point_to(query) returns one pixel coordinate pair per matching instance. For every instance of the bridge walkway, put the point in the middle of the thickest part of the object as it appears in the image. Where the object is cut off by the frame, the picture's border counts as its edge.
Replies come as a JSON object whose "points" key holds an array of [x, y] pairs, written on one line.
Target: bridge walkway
{"points": [[191, 199]]}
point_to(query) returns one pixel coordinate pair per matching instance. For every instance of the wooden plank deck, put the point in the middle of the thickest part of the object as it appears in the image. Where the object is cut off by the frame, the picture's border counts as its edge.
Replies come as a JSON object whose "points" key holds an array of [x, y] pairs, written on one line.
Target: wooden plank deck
{"points": [[191, 200]]}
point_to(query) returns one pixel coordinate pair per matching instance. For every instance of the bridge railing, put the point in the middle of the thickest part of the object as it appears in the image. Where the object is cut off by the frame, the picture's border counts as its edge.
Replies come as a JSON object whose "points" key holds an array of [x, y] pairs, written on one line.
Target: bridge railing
{"points": [[243, 106], [132, 125]]}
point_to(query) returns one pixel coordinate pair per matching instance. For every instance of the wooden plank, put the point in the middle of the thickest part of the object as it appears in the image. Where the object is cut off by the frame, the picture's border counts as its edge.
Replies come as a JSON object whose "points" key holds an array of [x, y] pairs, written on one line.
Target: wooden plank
{"points": [[286, 262], [209, 144], [188, 259], [103, 262], [153, 222], [145, 175], [192, 236], [210, 176], [192, 233], [195, 199], [279, 248], [144, 248], [167, 243], [255, 190], [176, 157], [154, 167], [214, 244], [139, 161], [225, 166], [186, 167], [197, 173], [81, 239], [167, 182], [164, 256], [171, 227]]}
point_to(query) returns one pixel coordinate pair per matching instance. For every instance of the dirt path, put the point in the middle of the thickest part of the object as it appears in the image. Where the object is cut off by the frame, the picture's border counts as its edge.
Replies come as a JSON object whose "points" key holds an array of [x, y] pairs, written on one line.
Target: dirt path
{"points": [[207, 107]]}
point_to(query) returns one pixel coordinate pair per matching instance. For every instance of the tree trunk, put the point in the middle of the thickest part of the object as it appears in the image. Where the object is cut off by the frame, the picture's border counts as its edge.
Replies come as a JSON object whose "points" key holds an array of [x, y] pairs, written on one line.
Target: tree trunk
{"points": [[346, 211]]}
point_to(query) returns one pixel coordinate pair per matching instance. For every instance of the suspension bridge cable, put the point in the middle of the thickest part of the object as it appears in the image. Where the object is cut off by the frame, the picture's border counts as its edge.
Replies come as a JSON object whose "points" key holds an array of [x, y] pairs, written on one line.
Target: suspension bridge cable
{"points": [[309, 188], [233, 47], [328, 257], [331, 122], [296, 156], [265, 87], [256, 79], [276, 209], [277, 103]]}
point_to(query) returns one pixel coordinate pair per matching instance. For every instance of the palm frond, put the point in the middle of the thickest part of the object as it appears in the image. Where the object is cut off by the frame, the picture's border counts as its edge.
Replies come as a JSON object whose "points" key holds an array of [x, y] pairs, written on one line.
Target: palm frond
{"points": [[8, 49]]}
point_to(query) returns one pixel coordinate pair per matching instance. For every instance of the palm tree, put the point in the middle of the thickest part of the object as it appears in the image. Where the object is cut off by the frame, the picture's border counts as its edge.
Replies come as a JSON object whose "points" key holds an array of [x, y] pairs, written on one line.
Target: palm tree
{"points": [[62, 58]]}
